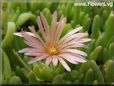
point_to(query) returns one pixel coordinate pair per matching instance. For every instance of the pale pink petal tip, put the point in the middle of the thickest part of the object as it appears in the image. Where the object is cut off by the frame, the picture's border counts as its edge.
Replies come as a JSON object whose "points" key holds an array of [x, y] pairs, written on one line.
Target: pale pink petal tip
{"points": [[55, 60], [64, 64], [20, 34]]}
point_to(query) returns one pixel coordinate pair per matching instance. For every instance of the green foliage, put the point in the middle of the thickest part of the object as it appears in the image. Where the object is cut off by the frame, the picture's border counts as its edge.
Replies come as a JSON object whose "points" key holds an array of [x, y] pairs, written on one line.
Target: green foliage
{"points": [[15, 80], [9, 34], [23, 18], [110, 72], [97, 21]]}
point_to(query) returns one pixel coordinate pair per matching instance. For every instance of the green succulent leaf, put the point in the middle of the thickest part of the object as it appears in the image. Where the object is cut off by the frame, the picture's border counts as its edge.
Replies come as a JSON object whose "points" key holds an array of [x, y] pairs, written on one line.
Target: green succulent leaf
{"points": [[23, 17], [110, 72], [94, 54], [9, 34], [98, 75], [111, 50], [96, 27], [86, 24], [32, 78], [15, 80], [48, 15], [109, 29], [89, 77], [19, 72], [7, 73], [58, 79]]}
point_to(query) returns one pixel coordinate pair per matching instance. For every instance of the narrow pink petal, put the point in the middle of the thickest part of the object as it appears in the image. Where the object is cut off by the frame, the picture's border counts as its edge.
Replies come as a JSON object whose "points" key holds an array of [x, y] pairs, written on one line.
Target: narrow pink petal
{"points": [[79, 58], [74, 36], [32, 41], [75, 51], [48, 60], [41, 27], [31, 50], [64, 64], [37, 36], [72, 44], [69, 59], [45, 24], [34, 54], [53, 26], [72, 32], [55, 60], [76, 58], [34, 45], [75, 45], [85, 40], [59, 29], [20, 34], [30, 38], [37, 59]]}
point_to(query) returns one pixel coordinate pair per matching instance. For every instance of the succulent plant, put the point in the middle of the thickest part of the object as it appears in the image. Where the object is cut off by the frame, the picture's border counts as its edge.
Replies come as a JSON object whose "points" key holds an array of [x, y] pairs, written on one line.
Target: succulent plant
{"points": [[97, 21]]}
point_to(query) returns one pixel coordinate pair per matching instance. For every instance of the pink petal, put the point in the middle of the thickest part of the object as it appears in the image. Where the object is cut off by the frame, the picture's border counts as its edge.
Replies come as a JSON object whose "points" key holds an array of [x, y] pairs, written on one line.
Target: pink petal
{"points": [[73, 44], [37, 59], [73, 37], [76, 45], [55, 60], [41, 27], [29, 50], [69, 59], [75, 51], [60, 28], [20, 34], [48, 60], [53, 25], [34, 45], [85, 40], [30, 38], [72, 32], [74, 57], [37, 36], [64, 64], [45, 24], [34, 54]]}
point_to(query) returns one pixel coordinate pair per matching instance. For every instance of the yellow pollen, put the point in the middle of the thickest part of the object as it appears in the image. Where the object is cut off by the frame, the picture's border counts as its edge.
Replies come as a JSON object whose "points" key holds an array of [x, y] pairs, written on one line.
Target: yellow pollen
{"points": [[52, 51]]}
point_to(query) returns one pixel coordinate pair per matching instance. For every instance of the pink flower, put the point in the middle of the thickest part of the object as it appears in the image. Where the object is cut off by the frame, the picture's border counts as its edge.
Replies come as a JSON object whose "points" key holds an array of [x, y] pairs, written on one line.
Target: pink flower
{"points": [[51, 46]]}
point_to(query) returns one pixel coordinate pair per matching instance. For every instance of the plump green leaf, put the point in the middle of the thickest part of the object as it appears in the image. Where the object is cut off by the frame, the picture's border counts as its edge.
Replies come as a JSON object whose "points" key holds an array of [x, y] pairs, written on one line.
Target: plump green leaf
{"points": [[98, 75], [9, 34], [15, 80], [23, 17], [32, 78], [111, 50], [110, 72], [96, 27], [109, 29], [86, 24], [94, 54], [89, 77], [58, 79], [6, 67], [47, 15]]}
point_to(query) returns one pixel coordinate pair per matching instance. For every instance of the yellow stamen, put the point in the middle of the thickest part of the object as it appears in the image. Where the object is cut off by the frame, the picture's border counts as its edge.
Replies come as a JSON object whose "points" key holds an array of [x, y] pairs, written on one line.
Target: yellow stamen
{"points": [[52, 51]]}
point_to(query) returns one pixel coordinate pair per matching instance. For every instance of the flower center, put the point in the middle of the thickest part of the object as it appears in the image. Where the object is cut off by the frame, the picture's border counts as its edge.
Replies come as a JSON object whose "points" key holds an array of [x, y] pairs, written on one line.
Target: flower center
{"points": [[52, 51]]}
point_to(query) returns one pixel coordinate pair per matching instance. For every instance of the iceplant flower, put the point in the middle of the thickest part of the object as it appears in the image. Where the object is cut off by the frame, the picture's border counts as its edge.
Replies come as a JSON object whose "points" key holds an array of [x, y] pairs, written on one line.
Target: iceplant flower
{"points": [[51, 46]]}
